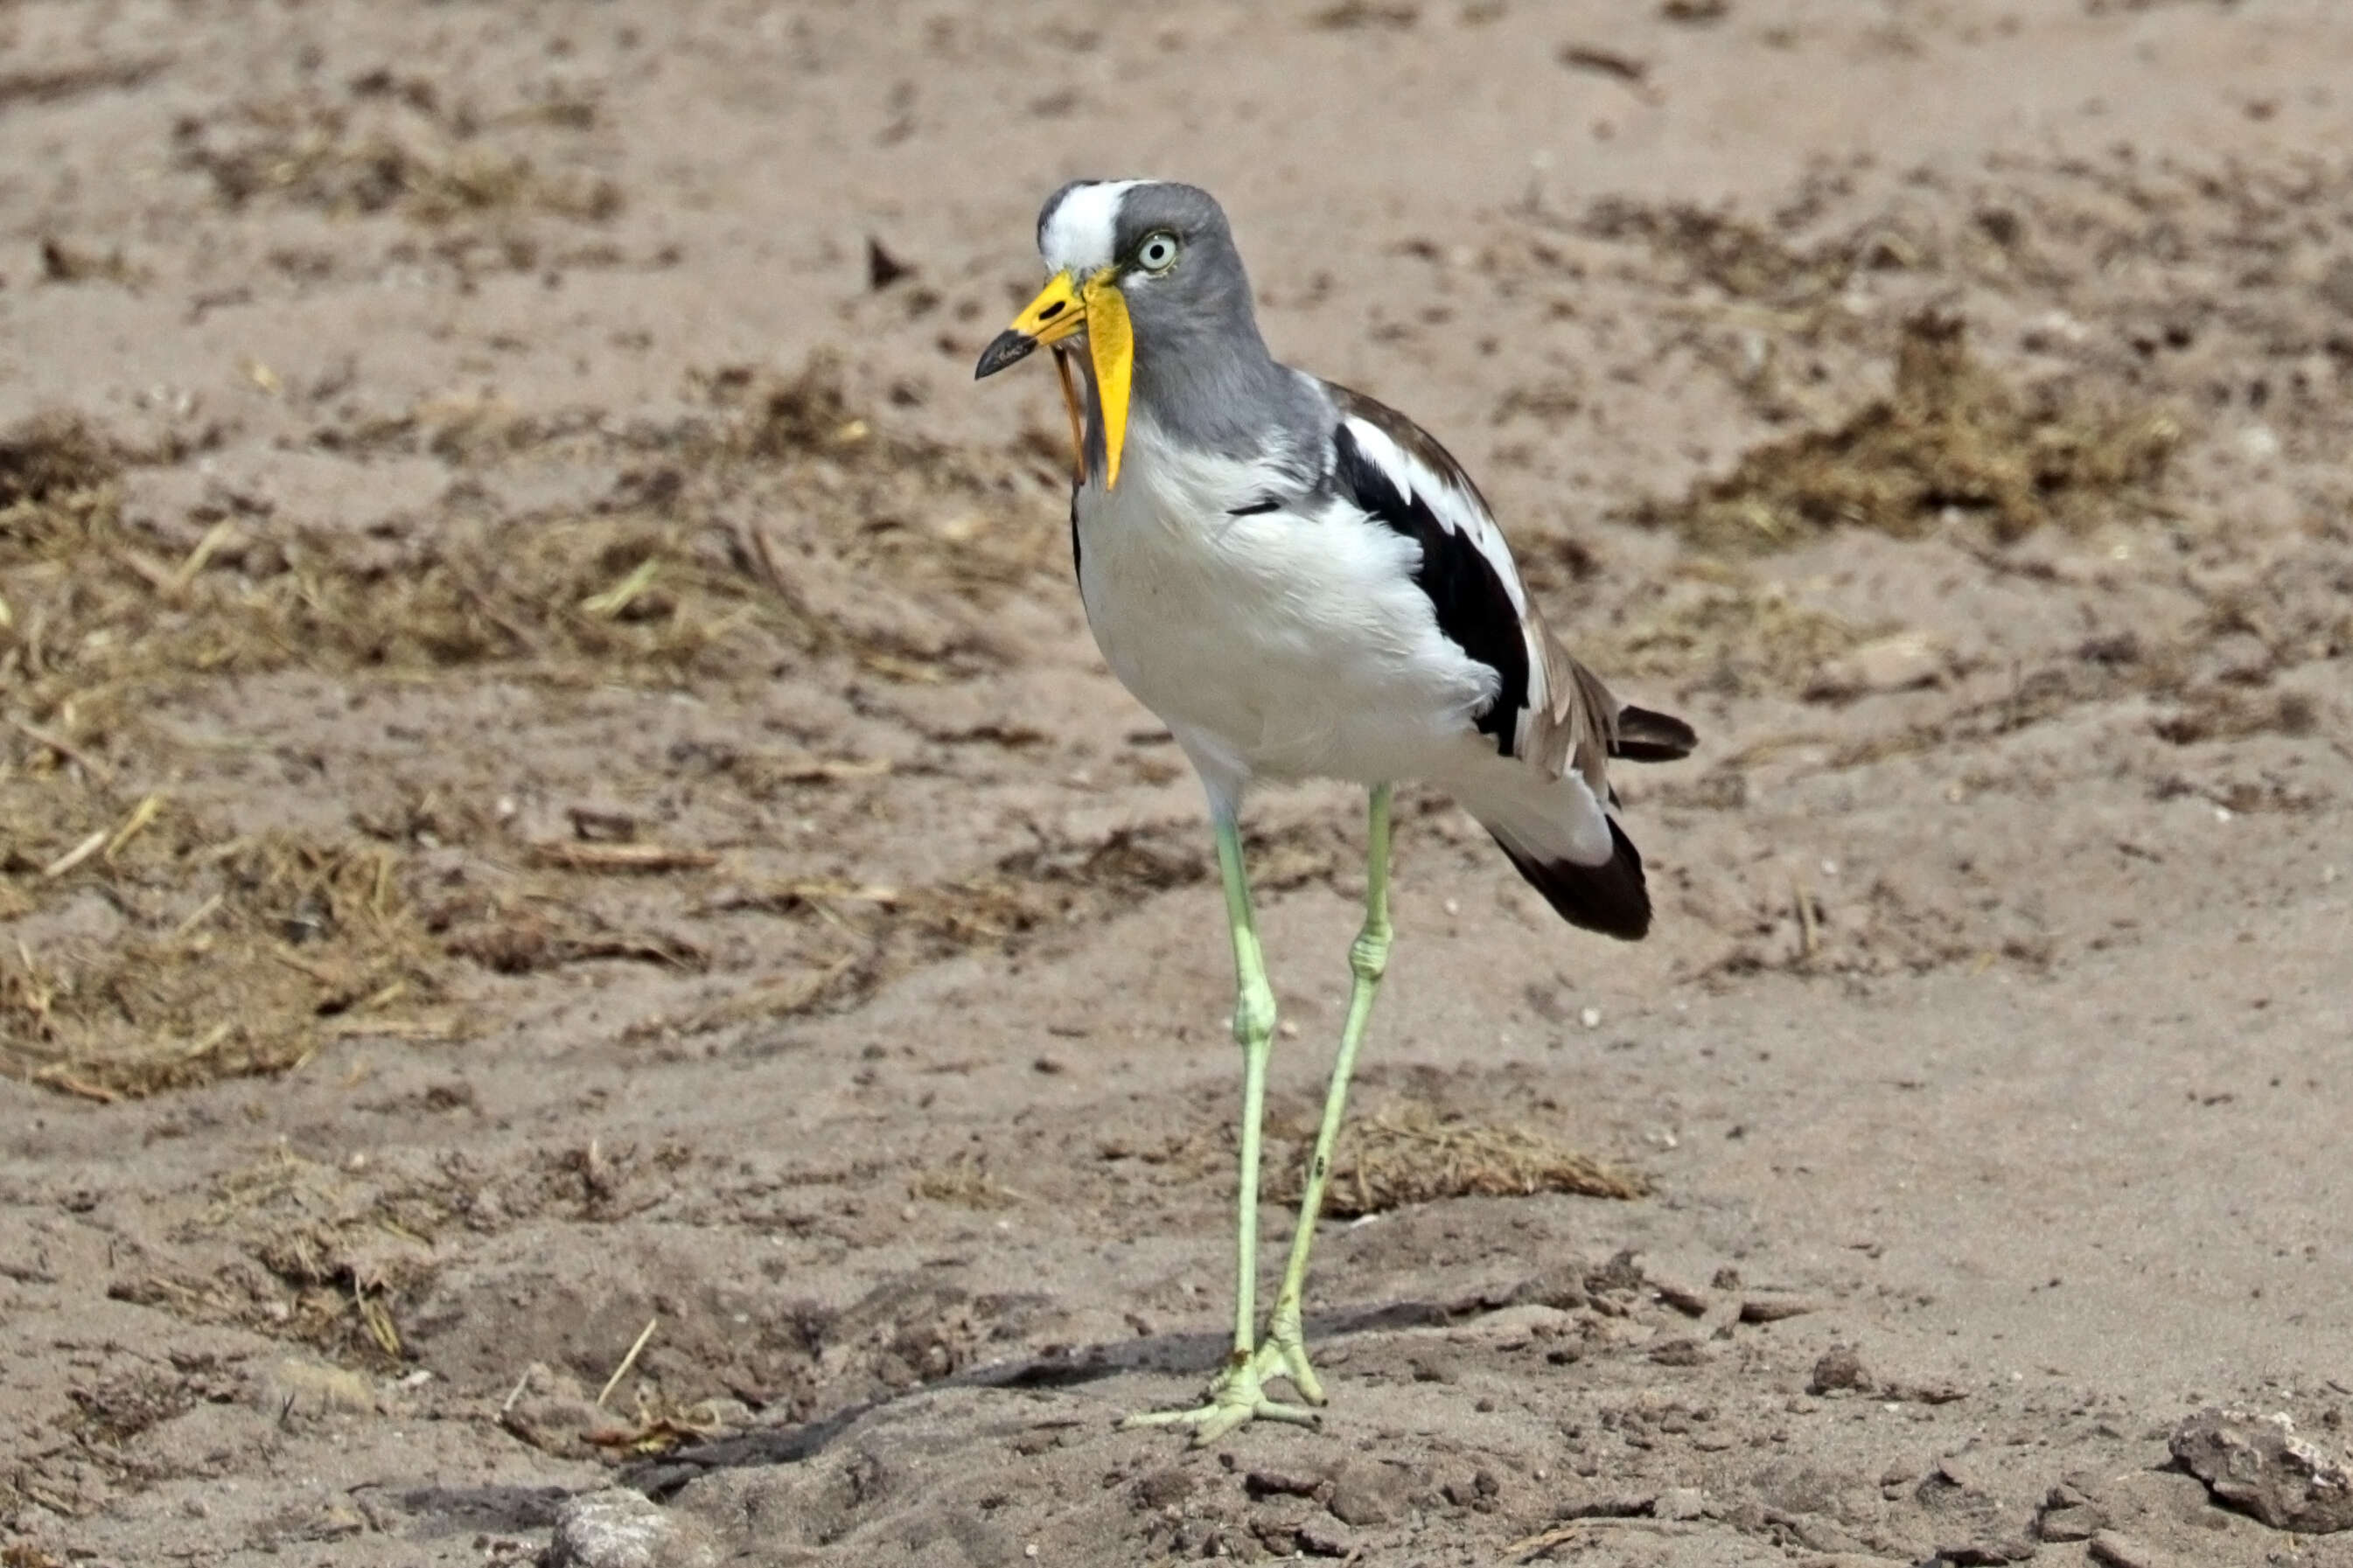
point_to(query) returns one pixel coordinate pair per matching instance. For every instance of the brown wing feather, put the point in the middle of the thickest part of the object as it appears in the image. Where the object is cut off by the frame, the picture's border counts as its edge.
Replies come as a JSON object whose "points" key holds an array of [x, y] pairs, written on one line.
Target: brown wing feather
{"points": [[1576, 726]]}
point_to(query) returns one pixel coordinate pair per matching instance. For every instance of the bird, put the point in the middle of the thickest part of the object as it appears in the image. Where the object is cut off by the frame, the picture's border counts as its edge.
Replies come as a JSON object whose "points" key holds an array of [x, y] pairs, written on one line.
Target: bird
{"points": [[1301, 582]]}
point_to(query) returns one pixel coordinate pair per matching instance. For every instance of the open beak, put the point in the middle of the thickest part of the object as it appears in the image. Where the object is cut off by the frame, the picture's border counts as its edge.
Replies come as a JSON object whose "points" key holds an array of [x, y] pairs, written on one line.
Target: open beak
{"points": [[1061, 310]]}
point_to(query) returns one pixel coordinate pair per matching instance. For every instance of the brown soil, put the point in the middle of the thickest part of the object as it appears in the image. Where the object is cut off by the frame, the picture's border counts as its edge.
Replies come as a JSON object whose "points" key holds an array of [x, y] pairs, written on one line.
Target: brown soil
{"points": [[576, 906]]}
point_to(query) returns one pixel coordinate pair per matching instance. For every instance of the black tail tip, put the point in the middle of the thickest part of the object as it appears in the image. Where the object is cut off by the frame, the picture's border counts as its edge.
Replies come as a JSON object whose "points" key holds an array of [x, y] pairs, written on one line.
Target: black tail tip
{"points": [[1611, 898], [1645, 736]]}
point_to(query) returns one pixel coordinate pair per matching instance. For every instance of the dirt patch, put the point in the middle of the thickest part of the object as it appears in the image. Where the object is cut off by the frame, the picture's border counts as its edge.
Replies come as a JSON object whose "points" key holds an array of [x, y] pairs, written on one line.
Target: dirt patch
{"points": [[392, 141], [1740, 257], [1721, 625], [1954, 436]]}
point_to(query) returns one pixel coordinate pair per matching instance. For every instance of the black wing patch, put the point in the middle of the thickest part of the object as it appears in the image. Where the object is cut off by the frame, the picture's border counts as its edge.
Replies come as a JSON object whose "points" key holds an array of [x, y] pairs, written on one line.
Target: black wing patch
{"points": [[1475, 609], [1074, 540]]}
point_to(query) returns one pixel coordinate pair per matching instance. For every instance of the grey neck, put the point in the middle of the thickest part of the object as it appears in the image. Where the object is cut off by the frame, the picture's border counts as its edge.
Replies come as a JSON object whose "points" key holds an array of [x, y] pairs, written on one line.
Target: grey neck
{"points": [[1217, 391]]}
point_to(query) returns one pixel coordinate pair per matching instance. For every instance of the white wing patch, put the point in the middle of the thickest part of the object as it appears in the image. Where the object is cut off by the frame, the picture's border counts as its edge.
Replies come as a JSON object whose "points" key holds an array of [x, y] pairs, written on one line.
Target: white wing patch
{"points": [[1457, 510], [1461, 513]]}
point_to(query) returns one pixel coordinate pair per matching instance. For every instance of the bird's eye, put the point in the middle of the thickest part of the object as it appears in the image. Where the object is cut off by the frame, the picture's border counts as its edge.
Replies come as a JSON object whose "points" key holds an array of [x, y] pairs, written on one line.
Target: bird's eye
{"points": [[1157, 253]]}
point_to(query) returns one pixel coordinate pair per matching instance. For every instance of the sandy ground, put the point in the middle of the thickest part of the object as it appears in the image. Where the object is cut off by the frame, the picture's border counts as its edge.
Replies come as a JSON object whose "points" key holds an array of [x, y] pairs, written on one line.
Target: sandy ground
{"points": [[554, 780]]}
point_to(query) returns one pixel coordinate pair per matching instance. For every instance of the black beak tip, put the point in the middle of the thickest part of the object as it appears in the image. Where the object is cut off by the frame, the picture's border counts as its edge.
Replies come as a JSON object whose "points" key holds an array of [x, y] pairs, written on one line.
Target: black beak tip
{"points": [[1007, 347]]}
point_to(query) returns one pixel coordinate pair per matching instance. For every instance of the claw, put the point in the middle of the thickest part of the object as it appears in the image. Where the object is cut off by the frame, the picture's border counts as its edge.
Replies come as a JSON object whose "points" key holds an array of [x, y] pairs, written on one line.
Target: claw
{"points": [[1283, 1353], [1235, 1398]]}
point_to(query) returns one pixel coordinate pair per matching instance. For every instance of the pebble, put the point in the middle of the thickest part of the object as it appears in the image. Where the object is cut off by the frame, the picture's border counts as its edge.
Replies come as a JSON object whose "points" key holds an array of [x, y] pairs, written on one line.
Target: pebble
{"points": [[1360, 1496], [622, 1529], [2257, 1464], [1840, 1369], [2068, 1524], [1163, 1488], [1772, 1307], [1680, 1502], [556, 1422], [1281, 1483], [1685, 1296], [2118, 1550], [1987, 1554], [1318, 1538]]}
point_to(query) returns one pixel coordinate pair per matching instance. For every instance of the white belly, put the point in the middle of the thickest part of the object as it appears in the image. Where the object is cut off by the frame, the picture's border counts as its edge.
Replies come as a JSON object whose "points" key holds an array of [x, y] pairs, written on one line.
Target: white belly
{"points": [[1275, 644]]}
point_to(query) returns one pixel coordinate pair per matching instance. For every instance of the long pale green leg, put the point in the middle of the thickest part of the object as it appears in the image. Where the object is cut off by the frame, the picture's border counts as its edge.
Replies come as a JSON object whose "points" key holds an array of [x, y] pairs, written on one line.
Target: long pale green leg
{"points": [[1235, 1395], [1284, 1351]]}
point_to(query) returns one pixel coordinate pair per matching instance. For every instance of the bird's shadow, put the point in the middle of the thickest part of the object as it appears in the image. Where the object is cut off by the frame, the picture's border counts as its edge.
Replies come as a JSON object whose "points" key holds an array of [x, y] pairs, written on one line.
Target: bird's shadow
{"points": [[1199, 1353], [442, 1510]]}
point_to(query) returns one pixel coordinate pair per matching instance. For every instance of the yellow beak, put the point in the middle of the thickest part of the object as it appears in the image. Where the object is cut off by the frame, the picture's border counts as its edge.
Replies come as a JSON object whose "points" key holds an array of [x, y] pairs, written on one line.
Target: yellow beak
{"points": [[1063, 308]]}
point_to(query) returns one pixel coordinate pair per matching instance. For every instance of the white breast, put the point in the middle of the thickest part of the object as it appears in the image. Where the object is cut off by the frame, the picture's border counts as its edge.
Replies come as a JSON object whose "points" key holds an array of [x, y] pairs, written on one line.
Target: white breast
{"points": [[1282, 644]]}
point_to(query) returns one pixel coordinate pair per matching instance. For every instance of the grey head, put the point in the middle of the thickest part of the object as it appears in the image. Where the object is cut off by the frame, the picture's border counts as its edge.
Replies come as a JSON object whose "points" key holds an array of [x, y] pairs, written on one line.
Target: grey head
{"points": [[1202, 372]]}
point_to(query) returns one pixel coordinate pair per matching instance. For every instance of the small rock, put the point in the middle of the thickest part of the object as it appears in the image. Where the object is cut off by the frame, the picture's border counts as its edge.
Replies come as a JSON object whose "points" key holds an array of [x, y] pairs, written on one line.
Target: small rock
{"points": [[1361, 1496], [622, 1529], [1622, 1272], [1164, 1487], [2068, 1513], [1841, 1370], [2118, 1550], [2257, 1464], [1279, 1531], [1817, 1533], [1929, 1393], [1680, 1502], [1281, 1483], [1680, 1351], [1987, 1554], [2078, 1523], [1887, 663], [1562, 1288], [1959, 1472], [1319, 1539], [1608, 1505], [1771, 1307], [1690, 1300], [555, 1422]]}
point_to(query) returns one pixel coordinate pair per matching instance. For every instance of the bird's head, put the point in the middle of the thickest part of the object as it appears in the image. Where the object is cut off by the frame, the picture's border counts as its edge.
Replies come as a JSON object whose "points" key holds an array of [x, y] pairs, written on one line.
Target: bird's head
{"points": [[1136, 266]]}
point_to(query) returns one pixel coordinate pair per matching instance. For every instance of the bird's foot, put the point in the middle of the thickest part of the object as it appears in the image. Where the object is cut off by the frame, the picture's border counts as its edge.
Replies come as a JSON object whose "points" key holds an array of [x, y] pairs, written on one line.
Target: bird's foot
{"points": [[1283, 1353], [1236, 1397]]}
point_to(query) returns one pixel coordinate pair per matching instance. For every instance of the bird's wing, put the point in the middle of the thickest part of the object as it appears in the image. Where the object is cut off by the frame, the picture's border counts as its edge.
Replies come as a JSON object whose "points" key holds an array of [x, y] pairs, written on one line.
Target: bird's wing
{"points": [[1550, 710]]}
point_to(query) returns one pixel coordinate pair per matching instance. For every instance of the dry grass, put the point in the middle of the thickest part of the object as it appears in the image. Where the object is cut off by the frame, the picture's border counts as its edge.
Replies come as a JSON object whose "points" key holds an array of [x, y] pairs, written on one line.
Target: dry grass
{"points": [[226, 955], [337, 1260], [1951, 435], [101, 617], [103, 622], [963, 1181], [236, 956], [1412, 1153], [386, 149]]}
